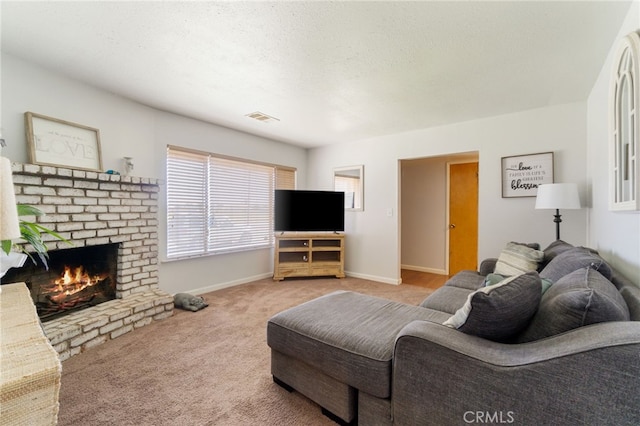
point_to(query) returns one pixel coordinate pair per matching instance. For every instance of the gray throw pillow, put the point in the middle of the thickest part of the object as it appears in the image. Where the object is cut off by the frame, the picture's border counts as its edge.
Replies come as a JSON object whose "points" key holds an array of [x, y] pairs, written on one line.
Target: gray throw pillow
{"points": [[552, 250], [583, 297], [572, 260], [500, 311]]}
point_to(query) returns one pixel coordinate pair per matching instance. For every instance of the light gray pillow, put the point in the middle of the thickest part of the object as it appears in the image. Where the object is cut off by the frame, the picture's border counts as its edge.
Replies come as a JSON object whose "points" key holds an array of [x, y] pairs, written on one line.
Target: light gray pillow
{"points": [[583, 297], [516, 259], [500, 311]]}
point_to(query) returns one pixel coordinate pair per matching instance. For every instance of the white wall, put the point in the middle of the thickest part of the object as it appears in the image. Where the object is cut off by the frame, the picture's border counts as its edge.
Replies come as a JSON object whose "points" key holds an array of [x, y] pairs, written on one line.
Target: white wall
{"points": [[615, 235], [373, 237], [130, 129]]}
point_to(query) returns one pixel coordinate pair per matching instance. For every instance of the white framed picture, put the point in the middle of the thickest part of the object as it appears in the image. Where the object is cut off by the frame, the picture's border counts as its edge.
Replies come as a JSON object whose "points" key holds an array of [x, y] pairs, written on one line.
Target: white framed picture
{"points": [[54, 142], [522, 174]]}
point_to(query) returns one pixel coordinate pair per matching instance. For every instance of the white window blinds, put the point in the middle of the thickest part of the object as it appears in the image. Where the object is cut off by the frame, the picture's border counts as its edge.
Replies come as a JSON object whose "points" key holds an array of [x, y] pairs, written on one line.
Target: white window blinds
{"points": [[217, 204], [187, 176]]}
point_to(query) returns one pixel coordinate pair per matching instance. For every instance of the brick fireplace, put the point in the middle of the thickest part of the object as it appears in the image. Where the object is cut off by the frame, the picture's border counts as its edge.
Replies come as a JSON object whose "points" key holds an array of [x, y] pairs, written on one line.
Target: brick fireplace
{"points": [[92, 209]]}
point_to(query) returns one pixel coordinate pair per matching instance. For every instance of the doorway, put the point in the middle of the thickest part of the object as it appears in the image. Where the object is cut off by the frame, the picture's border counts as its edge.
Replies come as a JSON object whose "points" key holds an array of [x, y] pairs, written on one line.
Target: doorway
{"points": [[424, 214]]}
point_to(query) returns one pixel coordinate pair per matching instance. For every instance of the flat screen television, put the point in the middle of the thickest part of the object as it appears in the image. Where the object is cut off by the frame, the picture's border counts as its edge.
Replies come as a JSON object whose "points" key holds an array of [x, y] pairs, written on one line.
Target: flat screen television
{"points": [[298, 210]]}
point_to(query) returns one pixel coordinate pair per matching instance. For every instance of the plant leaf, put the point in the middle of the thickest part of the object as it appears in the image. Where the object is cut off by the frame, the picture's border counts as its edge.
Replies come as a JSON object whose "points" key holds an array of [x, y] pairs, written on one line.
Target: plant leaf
{"points": [[31, 232], [26, 210], [6, 246]]}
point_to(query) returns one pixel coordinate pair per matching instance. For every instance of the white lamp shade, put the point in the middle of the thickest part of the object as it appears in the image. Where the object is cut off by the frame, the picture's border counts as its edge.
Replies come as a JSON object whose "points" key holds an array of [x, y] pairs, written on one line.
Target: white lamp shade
{"points": [[9, 225], [558, 196]]}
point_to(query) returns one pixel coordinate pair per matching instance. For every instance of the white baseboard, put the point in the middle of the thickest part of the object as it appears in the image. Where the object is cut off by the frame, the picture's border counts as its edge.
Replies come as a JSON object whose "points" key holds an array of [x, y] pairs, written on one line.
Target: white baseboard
{"points": [[384, 280], [423, 269], [220, 286]]}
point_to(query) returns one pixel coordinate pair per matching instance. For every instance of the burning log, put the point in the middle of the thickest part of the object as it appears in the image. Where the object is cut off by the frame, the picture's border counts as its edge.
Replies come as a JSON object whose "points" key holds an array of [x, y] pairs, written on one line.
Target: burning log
{"points": [[85, 293], [70, 304], [56, 302]]}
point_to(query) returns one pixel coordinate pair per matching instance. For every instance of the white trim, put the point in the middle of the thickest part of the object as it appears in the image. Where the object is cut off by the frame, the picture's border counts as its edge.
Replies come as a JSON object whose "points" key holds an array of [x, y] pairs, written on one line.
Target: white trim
{"points": [[424, 269], [383, 280], [220, 286]]}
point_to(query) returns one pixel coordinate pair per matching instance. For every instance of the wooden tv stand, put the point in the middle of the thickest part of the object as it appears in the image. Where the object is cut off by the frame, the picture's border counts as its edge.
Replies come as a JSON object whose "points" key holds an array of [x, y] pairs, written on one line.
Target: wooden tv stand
{"points": [[308, 254]]}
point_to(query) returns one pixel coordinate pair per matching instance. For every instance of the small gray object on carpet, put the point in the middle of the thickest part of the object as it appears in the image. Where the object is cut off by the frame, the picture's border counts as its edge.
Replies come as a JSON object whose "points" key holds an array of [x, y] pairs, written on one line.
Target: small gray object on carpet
{"points": [[189, 302]]}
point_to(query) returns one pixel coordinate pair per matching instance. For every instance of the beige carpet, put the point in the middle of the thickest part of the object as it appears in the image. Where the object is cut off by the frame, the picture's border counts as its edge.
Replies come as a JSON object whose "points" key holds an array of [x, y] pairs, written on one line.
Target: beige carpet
{"points": [[210, 367]]}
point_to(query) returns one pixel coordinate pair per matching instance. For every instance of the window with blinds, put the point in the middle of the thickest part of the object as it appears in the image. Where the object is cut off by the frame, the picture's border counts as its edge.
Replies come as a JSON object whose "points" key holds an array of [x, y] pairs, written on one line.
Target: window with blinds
{"points": [[218, 204]]}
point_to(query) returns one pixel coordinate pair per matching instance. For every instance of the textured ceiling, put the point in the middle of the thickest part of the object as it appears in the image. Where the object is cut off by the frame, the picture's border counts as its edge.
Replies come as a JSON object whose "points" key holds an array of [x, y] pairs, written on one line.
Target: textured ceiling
{"points": [[330, 72]]}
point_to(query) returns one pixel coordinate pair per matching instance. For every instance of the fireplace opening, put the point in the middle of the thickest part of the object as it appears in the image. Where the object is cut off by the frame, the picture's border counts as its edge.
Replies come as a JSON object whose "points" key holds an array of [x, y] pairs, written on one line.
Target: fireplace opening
{"points": [[77, 278]]}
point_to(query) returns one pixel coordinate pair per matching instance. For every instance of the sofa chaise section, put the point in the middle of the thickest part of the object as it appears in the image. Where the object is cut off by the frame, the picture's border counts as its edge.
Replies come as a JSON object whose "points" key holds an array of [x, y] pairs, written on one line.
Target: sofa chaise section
{"points": [[343, 340]]}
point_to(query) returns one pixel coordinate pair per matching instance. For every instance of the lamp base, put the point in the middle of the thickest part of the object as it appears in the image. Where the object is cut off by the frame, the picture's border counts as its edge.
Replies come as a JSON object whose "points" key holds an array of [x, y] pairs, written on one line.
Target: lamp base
{"points": [[557, 219]]}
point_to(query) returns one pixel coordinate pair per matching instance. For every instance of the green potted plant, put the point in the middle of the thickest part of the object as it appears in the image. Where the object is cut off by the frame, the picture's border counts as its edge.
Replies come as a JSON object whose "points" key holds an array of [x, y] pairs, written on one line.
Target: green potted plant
{"points": [[31, 232]]}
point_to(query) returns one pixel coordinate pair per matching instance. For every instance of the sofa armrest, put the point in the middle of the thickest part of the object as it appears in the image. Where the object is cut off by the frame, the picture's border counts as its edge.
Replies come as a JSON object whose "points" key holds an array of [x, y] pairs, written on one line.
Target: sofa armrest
{"points": [[590, 375], [487, 266]]}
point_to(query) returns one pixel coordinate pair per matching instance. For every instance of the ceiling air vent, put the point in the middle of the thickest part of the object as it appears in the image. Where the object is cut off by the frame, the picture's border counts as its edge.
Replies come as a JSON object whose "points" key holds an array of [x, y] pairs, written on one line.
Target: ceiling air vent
{"points": [[262, 117]]}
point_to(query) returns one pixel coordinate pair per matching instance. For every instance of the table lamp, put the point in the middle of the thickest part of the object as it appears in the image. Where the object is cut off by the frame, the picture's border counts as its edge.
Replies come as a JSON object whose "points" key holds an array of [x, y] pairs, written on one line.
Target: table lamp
{"points": [[558, 196], [9, 225]]}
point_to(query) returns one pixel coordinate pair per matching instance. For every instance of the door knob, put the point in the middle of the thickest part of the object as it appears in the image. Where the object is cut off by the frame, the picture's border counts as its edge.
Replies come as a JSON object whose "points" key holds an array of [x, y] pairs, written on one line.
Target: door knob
{"points": [[452, 226]]}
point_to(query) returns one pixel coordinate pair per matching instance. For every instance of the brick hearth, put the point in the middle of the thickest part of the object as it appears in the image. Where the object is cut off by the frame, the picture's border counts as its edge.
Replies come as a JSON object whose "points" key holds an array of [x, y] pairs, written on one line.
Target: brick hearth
{"points": [[90, 208]]}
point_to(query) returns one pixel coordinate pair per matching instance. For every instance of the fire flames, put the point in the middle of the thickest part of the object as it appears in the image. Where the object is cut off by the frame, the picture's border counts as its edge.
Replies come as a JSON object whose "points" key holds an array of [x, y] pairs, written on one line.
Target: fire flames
{"points": [[72, 281]]}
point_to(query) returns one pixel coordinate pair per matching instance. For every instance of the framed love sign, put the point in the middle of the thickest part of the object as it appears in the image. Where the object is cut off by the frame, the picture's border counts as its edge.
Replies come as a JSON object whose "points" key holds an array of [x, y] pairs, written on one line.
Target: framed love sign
{"points": [[522, 174], [55, 142]]}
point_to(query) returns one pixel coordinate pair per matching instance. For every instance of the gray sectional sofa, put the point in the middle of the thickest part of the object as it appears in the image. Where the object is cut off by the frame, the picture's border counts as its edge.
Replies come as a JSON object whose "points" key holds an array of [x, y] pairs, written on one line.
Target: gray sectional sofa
{"points": [[535, 337]]}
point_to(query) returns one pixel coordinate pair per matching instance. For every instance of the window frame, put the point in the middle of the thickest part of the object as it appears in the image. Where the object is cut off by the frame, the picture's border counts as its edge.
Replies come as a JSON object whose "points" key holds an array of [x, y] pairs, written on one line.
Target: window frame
{"points": [[624, 126], [191, 199]]}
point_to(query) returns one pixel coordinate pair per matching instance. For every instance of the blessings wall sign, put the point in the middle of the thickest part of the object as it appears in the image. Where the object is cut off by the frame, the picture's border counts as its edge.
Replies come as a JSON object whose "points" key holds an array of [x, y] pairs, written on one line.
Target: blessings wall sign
{"points": [[522, 174]]}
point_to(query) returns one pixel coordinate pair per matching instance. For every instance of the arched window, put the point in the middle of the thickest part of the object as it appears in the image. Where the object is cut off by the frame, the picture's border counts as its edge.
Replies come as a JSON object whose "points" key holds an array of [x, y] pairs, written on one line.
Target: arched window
{"points": [[625, 126]]}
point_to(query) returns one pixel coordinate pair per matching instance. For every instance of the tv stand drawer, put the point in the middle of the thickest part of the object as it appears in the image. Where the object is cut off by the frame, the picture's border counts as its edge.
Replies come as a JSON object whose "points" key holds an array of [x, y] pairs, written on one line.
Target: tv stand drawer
{"points": [[294, 270]]}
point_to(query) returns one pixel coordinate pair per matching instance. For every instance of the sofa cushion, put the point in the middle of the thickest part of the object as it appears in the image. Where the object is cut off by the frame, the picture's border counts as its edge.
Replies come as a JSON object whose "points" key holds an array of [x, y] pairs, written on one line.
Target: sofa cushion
{"points": [[572, 260], [447, 299], [500, 311], [471, 280], [516, 259], [631, 294], [583, 297]]}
